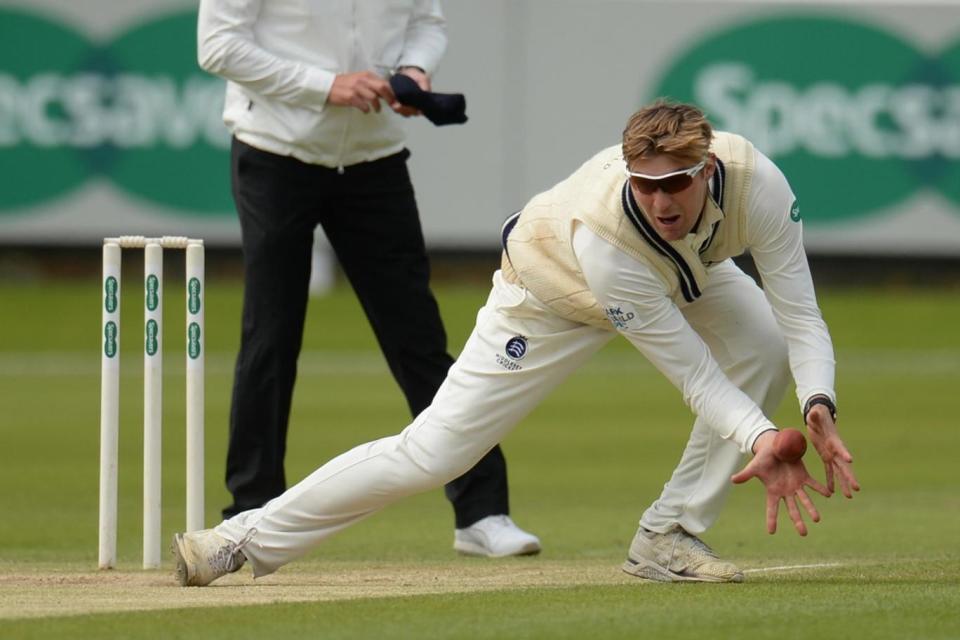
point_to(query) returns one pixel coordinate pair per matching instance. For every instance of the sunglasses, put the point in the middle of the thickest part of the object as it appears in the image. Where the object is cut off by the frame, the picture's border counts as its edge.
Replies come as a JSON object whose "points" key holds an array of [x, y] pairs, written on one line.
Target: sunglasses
{"points": [[673, 182]]}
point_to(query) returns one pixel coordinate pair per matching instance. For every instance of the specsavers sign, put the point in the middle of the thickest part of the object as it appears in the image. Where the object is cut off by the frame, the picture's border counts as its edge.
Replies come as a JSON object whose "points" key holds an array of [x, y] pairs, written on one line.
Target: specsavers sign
{"points": [[121, 132], [136, 112], [859, 119]]}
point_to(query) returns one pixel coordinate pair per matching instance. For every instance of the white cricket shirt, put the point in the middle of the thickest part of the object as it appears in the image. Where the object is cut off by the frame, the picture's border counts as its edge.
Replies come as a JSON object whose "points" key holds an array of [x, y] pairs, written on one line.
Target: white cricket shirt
{"points": [[675, 348]]}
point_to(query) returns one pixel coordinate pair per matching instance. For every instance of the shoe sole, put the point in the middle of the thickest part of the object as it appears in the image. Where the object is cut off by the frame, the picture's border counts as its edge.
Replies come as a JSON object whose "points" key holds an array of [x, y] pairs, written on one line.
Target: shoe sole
{"points": [[646, 570], [476, 550], [177, 548]]}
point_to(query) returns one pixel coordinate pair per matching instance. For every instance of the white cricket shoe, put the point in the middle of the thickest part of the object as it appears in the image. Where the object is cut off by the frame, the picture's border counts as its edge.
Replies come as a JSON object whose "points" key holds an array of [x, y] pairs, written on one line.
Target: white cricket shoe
{"points": [[203, 556], [495, 537], [676, 556]]}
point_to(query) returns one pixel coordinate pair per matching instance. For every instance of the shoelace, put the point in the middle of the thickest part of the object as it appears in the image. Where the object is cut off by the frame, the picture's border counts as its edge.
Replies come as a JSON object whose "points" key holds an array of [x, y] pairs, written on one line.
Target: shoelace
{"points": [[697, 547], [225, 560], [702, 546]]}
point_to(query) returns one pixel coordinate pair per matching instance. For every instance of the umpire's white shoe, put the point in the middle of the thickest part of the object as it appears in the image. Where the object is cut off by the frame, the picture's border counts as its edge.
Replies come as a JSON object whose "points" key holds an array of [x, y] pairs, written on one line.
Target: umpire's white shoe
{"points": [[203, 556], [676, 556], [495, 537]]}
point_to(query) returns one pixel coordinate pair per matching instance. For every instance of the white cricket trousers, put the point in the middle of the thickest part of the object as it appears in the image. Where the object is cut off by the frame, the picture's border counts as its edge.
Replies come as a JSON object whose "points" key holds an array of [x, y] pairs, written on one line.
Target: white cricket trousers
{"points": [[485, 394], [736, 322]]}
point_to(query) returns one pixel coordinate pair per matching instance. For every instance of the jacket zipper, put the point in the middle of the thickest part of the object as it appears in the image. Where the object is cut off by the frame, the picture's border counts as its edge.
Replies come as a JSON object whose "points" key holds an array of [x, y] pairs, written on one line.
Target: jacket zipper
{"points": [[346, 126], [343, 142]]}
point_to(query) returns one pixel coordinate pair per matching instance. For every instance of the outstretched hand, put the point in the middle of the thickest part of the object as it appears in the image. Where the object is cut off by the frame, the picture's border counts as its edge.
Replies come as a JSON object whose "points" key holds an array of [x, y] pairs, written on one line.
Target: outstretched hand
{"points": [[837, 460], [784, 481]]}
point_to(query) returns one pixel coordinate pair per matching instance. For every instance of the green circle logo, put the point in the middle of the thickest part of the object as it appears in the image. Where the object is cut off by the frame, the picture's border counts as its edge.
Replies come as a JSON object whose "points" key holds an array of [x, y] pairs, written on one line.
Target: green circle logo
{"points": [[858, 122], [137, 111]]}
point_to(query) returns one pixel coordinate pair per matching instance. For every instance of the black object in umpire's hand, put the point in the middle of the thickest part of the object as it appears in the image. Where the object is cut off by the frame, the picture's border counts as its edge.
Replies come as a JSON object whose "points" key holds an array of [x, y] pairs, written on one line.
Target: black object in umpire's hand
{"points": [[439, 108]]}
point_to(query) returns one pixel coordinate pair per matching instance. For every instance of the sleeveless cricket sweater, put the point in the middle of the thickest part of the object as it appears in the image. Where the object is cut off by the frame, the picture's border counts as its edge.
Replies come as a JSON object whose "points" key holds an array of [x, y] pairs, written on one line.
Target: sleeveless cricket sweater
{"points": [[538, 244]]}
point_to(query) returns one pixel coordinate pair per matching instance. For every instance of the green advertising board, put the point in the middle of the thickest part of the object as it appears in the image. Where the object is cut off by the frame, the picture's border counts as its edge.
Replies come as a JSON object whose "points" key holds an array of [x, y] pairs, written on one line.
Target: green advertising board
{"points": [[857, 117], [108, 125], [136, 111]]}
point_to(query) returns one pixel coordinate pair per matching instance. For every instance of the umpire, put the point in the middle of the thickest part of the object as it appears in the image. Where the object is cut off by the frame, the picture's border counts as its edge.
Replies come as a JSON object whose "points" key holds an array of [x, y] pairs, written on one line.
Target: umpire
{"points": [[314, 144]]}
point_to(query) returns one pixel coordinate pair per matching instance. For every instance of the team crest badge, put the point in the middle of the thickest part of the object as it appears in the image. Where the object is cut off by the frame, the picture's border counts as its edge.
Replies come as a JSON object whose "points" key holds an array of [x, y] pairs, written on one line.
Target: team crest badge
{"points": [[516, 347]]}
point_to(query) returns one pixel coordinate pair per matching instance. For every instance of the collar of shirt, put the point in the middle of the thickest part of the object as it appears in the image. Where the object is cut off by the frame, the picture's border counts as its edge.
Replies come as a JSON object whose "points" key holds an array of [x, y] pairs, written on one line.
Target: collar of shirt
{"points": [[699, 240]]}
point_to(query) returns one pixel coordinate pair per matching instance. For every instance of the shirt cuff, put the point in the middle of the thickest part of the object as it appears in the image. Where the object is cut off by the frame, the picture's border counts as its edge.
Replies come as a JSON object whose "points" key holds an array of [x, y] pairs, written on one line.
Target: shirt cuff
{"points": [[752, 439], [412, 60], [317, 86], [830, 393], [746, 428]]}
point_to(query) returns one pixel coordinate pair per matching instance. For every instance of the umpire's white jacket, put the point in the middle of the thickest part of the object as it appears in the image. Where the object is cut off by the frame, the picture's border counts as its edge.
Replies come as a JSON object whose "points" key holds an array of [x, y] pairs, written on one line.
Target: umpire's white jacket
{"points": [[280, 58]]}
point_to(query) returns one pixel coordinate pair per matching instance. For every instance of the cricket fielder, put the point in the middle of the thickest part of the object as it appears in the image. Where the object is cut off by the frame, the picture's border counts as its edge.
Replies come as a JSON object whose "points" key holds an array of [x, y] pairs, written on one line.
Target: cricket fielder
{"points": [[637, 241]]}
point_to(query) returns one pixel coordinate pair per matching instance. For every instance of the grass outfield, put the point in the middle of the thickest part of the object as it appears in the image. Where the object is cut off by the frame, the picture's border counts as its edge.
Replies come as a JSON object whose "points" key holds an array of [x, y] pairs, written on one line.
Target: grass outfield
{"points": [[582, 468]]}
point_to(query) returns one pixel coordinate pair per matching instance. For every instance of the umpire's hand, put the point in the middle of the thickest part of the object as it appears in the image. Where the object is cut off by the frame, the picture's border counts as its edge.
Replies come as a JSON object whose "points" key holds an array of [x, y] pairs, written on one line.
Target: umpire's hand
{"points": [[362, 90]]}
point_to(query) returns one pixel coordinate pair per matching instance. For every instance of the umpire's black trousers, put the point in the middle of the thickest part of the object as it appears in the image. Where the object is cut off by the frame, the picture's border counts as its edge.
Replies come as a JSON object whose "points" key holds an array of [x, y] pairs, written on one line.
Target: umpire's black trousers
{"points": [[370, 217]]}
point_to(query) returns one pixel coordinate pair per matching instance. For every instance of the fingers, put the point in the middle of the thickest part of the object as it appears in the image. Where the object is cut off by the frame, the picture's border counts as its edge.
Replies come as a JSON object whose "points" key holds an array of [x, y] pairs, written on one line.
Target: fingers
{"points": [[749, 471], [405, 111], [742, 476], [363, 90], [773, 506], [795, 515], [365, 98], [808, 505], [826, 492], [837, 449], [845, 488], [853, 480], [848, 482], [842, 461], [376, 85]]}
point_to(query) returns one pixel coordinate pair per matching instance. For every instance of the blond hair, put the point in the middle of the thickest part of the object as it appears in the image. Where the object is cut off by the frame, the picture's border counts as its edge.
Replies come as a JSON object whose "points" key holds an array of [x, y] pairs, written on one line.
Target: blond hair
{"points": [[675, 129]]}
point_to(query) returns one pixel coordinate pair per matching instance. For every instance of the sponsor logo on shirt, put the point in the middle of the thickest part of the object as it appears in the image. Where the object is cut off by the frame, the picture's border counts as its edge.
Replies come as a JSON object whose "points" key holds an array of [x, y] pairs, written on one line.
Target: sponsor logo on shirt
{"points": [[620, 315], [795, 211]]}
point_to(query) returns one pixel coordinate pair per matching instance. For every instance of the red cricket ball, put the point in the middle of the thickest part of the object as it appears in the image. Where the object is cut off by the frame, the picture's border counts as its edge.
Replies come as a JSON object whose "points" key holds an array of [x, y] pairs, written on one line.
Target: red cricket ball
{"points": [[789, 445]]}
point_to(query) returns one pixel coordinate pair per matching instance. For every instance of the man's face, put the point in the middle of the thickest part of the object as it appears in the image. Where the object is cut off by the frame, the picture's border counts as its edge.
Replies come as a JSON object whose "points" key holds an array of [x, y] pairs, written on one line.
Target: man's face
{"points": [[673, 215]]}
